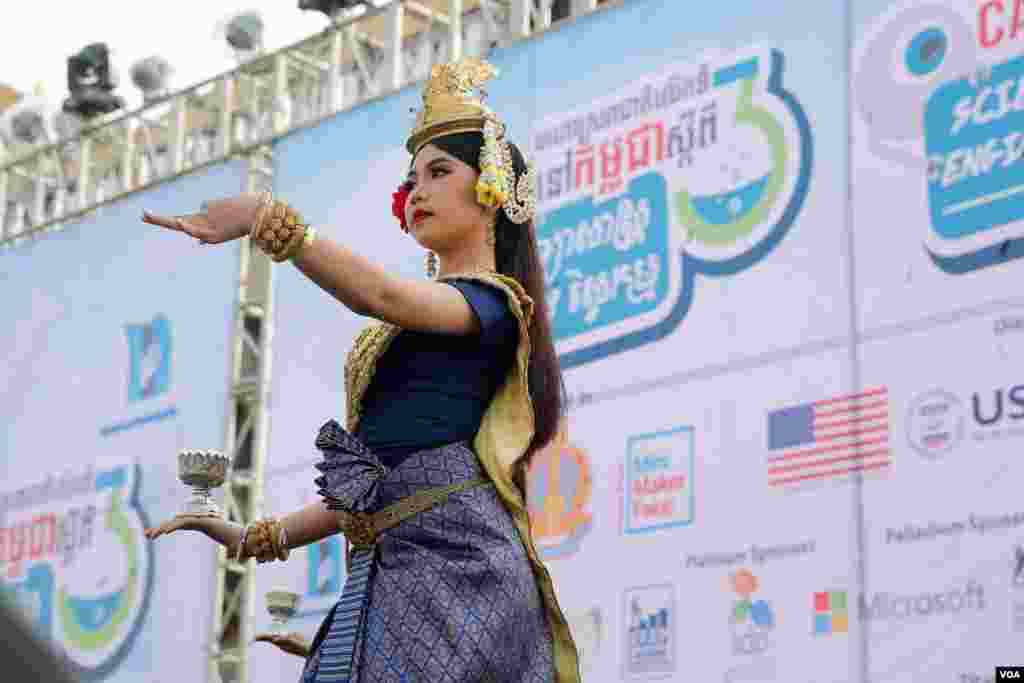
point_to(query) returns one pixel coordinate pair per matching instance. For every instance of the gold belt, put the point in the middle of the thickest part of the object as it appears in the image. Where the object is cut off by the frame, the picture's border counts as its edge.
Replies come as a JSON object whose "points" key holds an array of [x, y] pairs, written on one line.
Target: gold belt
{"points": [[362, 529]]}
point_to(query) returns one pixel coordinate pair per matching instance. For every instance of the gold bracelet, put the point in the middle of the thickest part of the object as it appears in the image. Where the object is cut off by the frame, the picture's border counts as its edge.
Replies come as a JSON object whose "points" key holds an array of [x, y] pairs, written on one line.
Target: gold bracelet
{"points": [[266, 199], [292, 247], [264, 550], [280, 231], [279, 538], [272, 540]]}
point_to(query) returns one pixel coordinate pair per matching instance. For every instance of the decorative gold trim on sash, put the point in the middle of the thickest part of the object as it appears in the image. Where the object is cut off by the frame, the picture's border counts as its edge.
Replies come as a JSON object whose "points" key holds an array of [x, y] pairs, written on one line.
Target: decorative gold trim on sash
{"points": [[362, 529]]}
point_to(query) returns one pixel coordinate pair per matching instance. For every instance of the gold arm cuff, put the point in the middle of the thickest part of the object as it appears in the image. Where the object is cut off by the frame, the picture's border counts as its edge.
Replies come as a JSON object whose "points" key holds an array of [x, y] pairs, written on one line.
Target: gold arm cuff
{"points": [[292, 247]]}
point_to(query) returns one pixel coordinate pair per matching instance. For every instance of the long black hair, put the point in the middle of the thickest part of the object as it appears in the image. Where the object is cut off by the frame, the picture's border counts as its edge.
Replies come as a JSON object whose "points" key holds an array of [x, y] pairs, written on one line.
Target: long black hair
{"points": [[517, 256]]}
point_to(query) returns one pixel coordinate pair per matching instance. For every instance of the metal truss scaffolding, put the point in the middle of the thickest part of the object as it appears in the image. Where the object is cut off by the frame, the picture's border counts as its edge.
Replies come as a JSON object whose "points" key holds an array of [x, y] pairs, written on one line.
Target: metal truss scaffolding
{"points": [[241, 113]]}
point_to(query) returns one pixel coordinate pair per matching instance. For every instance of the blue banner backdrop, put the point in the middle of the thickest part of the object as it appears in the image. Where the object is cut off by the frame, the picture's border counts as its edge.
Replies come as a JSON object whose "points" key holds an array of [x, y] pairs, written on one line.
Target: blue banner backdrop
{"points": [[116, 339]]}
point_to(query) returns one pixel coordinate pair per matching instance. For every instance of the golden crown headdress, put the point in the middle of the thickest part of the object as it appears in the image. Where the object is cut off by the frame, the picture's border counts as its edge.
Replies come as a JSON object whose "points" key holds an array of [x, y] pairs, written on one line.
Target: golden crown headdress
{"points": [[451, 106]]}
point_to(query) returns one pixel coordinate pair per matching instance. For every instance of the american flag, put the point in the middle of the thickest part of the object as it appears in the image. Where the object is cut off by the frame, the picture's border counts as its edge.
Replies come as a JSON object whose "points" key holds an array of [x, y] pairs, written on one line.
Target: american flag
{"points": [[829, 438]]}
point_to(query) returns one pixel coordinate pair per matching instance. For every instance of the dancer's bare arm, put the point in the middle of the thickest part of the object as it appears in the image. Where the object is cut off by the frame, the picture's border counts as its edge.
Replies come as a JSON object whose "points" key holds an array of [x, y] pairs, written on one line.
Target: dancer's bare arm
{"points": [[355, 281], [307, 525], [310, 524]]}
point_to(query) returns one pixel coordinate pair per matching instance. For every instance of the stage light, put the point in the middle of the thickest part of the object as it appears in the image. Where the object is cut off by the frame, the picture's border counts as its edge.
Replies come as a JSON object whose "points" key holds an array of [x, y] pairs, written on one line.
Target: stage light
{"points": [[243, 34], [92, 80], [150, 75], [26, 121], [333, 8]]}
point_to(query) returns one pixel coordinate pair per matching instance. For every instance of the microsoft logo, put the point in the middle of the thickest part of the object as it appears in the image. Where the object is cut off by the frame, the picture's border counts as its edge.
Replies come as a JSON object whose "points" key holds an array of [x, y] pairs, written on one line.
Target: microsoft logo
{"points": [[831, 614]]}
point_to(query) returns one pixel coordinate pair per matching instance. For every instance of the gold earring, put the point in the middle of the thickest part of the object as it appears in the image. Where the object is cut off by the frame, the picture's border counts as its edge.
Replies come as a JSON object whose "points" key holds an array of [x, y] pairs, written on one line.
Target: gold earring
{"points": [[431, 265]]}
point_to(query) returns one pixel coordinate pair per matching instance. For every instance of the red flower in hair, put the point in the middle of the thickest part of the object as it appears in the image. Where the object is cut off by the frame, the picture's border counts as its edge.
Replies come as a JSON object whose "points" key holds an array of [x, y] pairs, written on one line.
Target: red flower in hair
{"points": [[398, 200]]}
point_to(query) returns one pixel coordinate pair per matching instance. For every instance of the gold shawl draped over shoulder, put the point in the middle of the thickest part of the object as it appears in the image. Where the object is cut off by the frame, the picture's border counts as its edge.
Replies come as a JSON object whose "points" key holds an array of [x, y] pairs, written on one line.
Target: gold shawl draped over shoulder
{"points": [[505, 433]]}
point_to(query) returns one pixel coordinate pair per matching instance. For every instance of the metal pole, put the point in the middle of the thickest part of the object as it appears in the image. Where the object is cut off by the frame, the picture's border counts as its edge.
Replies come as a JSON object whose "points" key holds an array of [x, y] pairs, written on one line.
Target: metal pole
{"points": [[85, 173], [128, 129], [454, 29], [336, 80], [391, 77], [519, 18], [250, 393], [225, 95], [282, 105], [177, 127], [3, 204]]}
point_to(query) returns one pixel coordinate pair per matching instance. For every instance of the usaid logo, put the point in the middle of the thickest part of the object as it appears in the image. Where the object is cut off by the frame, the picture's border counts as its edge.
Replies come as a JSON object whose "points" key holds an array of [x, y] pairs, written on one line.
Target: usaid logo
{"points": [[935, 423]]}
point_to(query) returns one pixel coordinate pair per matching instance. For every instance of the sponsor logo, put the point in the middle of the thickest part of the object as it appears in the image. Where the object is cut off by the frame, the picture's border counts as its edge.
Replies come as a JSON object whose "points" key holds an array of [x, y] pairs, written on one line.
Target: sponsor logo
{"points": [[650, 631], [752, 621], [922, 606], [976, 166], [658, 487], [935, 423], [828, 439], [966, 143], [938, 420], [149, 376], [990, 415], [559, 488], [693, 169], [830, 613], [73, 557], [751, 632], [899, 61]]}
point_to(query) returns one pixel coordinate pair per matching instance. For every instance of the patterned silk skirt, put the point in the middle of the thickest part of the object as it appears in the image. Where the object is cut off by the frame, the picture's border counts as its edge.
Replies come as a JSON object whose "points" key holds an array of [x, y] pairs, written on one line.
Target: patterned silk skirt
{"points": [[447, 595]]}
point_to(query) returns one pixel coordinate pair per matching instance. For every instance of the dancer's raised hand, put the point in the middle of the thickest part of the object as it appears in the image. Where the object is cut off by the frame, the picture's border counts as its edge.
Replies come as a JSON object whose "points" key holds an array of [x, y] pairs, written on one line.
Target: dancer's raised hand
{"points": [[216, 528], [218, 221]]}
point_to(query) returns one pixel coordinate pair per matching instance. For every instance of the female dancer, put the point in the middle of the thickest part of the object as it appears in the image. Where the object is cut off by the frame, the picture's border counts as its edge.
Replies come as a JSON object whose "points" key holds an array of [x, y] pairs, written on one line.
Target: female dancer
{"points": [[448, 397]]}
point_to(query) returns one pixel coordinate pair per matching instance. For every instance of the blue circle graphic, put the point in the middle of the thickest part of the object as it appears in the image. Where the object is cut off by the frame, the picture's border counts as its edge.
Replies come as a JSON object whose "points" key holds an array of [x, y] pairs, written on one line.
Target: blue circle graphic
{"points": [[926, 51]]}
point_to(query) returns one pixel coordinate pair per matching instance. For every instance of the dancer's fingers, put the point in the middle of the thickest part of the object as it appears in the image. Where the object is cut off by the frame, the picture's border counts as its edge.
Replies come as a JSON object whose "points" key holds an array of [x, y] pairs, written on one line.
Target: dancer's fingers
{"points": [[170, 526], [169, 222], [194, 225]]}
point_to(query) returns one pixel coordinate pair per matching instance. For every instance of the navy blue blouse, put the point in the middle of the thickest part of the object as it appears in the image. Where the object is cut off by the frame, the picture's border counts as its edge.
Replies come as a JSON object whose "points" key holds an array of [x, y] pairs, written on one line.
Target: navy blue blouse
{"points": [[431, 389]]}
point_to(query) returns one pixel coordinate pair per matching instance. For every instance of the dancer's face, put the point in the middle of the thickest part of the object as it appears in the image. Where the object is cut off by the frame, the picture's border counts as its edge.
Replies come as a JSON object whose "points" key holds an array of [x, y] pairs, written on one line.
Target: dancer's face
{"points": [[442, 211]]}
